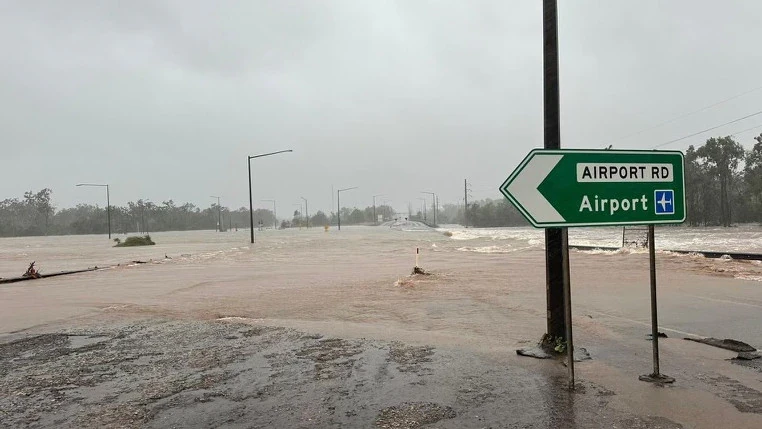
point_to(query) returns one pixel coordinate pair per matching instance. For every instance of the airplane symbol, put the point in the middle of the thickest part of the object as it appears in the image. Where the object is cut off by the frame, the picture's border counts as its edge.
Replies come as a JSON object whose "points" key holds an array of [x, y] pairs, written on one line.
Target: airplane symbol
{"points": [[665, 202]]}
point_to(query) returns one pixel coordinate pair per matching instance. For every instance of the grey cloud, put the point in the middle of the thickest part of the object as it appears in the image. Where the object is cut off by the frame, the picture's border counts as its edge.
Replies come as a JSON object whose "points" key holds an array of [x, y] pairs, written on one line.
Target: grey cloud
{"points": [[394, 97]]}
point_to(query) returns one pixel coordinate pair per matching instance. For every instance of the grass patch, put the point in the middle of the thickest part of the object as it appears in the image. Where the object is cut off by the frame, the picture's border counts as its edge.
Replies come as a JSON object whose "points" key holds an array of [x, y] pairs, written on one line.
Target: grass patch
{"points": [[135, 241]]}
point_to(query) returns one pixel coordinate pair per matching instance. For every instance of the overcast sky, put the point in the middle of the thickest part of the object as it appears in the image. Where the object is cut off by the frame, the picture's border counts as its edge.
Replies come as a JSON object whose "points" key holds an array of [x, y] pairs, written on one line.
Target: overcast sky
{"points": [[165, 99]]}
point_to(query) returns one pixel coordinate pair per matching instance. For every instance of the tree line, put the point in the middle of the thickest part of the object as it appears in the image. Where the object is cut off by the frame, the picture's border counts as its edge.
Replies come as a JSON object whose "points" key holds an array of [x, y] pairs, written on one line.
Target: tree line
{"points": [[723, 185], [723, 182], [34, 214], [349, 216]]}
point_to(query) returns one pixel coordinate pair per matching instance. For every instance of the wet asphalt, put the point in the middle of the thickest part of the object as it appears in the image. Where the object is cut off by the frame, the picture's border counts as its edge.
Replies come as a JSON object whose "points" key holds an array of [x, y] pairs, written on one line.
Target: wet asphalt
{"points": [[228, 374]]}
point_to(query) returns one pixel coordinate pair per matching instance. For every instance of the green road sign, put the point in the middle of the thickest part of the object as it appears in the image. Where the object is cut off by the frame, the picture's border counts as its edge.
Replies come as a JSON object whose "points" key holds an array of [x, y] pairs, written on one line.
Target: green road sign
{"points": [[561, 188]]}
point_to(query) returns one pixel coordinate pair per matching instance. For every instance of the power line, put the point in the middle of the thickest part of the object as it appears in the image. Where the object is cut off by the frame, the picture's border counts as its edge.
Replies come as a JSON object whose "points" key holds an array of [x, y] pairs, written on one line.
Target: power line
{"points": [[708, 129], [748, 129], [685, 115]]}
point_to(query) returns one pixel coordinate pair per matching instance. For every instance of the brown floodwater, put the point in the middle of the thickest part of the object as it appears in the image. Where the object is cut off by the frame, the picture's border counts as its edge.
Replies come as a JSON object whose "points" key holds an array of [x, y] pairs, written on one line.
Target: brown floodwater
{"points": [[485, 297]]}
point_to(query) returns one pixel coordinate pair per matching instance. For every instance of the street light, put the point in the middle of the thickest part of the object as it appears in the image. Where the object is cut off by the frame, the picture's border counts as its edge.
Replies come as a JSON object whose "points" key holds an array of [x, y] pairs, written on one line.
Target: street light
{"points": [[434, 200], [375, 219], [219, 214], [108, 204], [306, 212], [275, 220], [251, 202], [338, 203]]}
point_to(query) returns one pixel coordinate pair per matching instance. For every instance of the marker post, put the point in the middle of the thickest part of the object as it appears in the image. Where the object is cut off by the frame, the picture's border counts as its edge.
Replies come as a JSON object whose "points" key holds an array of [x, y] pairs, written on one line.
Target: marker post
{"points": [[656, 376]]}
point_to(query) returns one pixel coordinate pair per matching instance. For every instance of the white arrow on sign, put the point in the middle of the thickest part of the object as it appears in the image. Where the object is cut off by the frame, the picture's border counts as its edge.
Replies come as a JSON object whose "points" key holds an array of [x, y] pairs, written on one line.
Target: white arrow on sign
{"points": [[524, 191]]}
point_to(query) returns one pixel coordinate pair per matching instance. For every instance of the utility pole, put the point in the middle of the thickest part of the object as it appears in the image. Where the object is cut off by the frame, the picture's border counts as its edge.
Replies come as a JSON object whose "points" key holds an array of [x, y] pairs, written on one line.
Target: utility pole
{"points": [[556, 248], [465, 202], [306, 212], [375, 218], [219, 214], [433, 204]]}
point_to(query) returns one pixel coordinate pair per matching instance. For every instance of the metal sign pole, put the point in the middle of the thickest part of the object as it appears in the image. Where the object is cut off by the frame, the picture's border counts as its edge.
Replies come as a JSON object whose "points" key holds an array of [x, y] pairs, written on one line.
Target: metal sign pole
{"points": [[656, 376], [552, 140], [654, 318], [567, 304]]}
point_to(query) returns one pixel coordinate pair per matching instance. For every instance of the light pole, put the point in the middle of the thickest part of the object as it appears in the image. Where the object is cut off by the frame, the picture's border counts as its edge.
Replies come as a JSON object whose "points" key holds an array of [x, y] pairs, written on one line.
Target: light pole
{"points": [[434, 200], [306, 212], [219, 214], [424, 208], [275, 216], [108, 204], [338, 203], [375, 218], [251, 202]]}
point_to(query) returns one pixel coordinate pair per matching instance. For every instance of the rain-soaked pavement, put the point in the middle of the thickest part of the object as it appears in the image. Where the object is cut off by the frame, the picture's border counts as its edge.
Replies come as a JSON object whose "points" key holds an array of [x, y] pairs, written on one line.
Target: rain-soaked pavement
{"points": [[231, 373]]}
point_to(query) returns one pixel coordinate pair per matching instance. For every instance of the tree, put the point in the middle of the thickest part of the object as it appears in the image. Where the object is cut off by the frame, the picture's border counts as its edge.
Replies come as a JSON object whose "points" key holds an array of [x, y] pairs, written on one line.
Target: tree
{"points": [[319, 218], [753, 173], [39, 209], [357, 216], [722, 156], [297, 220], [699, 189]]}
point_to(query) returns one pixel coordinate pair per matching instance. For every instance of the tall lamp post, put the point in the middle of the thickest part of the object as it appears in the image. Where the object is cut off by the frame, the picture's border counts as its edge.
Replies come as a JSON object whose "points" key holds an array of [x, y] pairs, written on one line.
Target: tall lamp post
{"points": [[338, 203], [219, 213], [434, 200], [275, 216], [251, 202], [306, 212], [375, 218], [108, 203]]}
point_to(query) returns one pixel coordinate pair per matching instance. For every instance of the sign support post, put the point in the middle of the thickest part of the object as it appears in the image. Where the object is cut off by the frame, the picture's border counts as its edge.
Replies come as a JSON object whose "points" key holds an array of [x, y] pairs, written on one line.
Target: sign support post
{"points": [[554, 248], [656, 376], [567, 304]]}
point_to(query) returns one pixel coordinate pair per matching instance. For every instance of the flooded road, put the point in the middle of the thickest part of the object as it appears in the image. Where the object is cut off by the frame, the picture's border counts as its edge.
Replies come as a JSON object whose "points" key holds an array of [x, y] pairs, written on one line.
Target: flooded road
{"points": [[337, 316]]}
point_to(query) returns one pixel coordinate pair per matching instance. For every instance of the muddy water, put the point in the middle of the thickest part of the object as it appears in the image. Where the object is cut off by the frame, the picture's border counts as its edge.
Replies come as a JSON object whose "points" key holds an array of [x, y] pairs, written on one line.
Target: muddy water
{"points": [[476, 307], [350, 276]]}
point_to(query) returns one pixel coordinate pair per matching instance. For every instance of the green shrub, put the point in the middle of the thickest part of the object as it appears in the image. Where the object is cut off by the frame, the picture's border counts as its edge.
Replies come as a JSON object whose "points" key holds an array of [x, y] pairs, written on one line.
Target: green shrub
{"points": [[136, 241]]}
